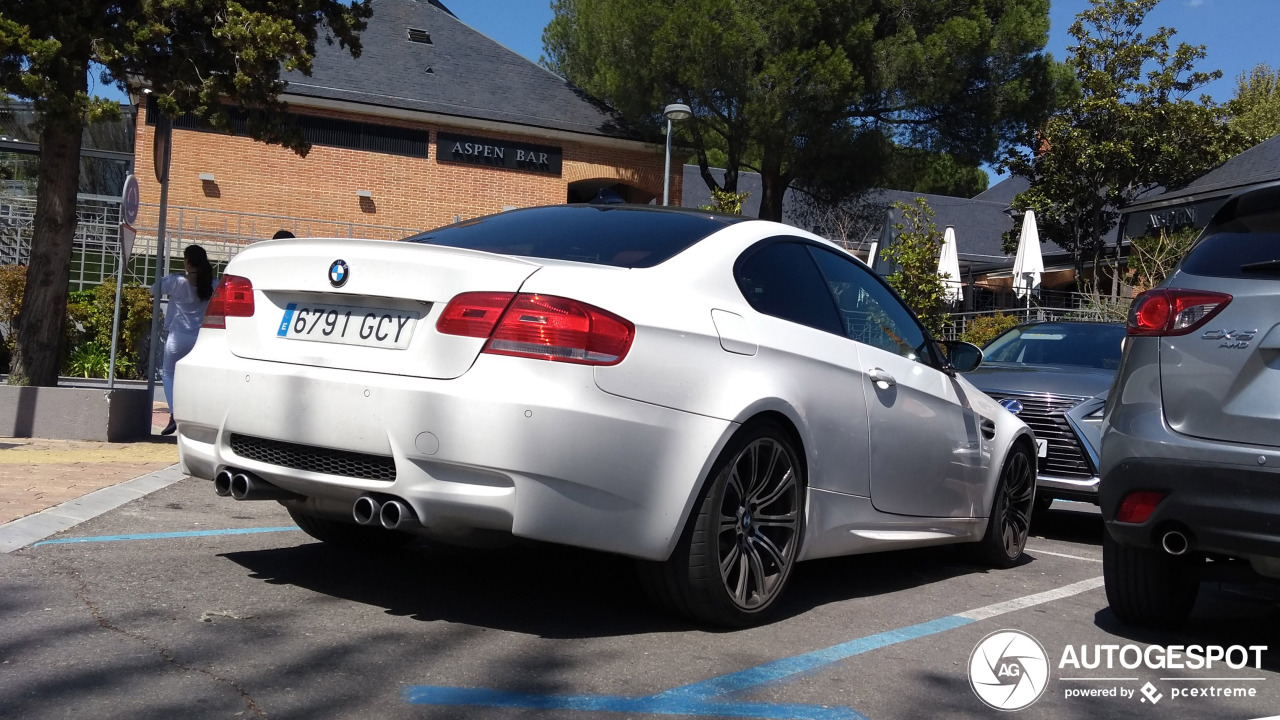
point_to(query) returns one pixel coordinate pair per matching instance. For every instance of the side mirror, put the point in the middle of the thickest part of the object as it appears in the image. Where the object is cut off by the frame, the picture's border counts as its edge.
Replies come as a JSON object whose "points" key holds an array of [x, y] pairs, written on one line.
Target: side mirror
{"points": [[963, 356]]}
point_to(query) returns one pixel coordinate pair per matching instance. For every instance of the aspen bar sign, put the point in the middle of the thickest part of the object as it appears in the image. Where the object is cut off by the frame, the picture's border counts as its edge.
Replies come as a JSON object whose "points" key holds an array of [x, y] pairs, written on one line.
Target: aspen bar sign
{"points": [[452, 148]]}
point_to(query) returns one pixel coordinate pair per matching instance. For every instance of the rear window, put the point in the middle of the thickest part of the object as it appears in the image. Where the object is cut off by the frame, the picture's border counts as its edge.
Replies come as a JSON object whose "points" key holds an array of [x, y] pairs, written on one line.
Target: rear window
{"points": [[630, 237], [1236, 255]]}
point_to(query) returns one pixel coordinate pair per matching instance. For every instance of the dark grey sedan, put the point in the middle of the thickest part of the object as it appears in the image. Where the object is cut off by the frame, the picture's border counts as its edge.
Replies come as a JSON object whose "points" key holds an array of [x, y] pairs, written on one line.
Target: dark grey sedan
{"points": [[1055, 376]]}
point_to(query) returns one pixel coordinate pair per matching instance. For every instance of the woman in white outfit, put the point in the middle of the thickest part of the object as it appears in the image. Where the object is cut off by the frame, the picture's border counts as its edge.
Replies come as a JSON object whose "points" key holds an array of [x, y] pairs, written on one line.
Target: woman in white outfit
{"points": [[189, 295]]}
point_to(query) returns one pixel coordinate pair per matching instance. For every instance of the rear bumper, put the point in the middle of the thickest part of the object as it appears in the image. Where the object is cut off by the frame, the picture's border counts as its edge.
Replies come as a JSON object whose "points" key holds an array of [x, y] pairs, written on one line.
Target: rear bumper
{"points": [[530, 447], [1226, 496], [1224, 509]]}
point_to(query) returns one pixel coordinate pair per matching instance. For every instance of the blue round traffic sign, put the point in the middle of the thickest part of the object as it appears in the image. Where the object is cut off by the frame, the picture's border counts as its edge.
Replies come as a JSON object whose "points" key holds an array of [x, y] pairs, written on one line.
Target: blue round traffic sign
{"points": [[129, 200]]}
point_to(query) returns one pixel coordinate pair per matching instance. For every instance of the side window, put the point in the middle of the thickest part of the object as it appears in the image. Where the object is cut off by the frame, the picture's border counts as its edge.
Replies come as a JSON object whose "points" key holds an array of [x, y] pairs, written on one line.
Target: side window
{"points": [[871, 314], [781, 280]]}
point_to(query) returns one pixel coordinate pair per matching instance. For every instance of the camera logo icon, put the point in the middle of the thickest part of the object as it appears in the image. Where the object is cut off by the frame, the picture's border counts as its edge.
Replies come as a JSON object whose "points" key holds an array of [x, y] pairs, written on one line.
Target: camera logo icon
{"points": [[1008, 670]]}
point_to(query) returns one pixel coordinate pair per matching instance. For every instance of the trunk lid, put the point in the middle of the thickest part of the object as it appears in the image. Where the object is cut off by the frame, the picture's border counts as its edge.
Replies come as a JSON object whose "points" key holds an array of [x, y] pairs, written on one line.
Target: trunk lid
{"points": [[377, 314], [1222, 380]]}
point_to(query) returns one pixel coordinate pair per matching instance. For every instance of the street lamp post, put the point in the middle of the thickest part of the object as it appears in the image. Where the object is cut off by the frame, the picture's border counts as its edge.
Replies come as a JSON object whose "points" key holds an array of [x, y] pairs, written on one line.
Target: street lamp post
{"points": [[673, 112]]}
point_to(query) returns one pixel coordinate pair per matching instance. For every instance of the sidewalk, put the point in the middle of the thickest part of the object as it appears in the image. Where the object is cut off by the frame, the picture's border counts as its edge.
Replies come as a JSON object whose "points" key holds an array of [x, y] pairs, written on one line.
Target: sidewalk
{"points": [[38, 475]]}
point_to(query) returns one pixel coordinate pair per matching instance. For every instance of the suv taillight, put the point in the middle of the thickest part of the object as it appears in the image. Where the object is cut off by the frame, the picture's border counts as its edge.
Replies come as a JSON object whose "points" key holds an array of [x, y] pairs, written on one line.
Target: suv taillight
{"points": [[539, 326], [232, 298], [1168, 311]]}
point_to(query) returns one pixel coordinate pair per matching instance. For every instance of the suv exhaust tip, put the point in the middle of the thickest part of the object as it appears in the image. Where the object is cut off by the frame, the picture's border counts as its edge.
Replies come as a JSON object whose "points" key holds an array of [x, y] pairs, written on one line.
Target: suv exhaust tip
{"points": [[1175, 543]]}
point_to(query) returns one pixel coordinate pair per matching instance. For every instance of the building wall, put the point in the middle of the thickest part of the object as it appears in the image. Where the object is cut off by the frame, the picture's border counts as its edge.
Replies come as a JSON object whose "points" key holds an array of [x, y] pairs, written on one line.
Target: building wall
{"points": [[407, 192]]}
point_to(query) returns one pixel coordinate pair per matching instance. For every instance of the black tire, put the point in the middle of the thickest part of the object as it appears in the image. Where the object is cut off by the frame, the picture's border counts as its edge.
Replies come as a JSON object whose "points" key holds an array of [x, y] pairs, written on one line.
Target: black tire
{"points": [[348, 534], [737, 553], [1148, 587], [1010, 523]]}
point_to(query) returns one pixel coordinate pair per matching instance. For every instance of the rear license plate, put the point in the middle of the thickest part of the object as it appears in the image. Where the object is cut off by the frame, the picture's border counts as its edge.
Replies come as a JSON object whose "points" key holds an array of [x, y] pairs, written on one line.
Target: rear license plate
{"points": [[348, 325], [1042, 448]]}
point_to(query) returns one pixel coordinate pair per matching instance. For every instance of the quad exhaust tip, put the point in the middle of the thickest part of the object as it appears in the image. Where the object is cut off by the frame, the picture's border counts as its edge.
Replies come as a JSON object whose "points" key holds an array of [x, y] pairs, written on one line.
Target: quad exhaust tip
{"points": [[396, 515], [366, 510], [222, 483], [238, 484]]}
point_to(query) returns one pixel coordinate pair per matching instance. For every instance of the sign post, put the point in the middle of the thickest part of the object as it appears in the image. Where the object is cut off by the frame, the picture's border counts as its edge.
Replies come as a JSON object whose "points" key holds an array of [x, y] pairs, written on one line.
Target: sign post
{"points": [[128, 217], [161, 147]]}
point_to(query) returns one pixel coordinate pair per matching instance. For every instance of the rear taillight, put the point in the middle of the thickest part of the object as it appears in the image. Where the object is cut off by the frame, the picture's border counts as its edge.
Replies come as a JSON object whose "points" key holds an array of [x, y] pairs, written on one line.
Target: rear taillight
{"points": [[539, 326], [1138, 506], [1168, 311], [232, 298], [473, 314]]}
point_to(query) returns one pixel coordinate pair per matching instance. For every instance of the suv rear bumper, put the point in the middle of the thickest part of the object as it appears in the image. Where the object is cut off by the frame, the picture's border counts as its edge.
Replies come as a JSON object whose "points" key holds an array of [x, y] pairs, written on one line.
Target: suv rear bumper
{"points": [[1222, 508]]}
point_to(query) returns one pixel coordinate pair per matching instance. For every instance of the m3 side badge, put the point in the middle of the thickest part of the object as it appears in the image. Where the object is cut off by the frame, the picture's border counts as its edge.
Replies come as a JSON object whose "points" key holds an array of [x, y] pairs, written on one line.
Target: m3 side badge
{"points": [[338, 273]]}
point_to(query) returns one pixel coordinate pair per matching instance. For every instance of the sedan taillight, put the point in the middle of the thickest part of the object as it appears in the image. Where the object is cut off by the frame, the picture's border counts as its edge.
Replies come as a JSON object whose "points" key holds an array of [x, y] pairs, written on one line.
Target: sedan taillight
{"points": [[539, 326], [232, 298], [1167, 311]]}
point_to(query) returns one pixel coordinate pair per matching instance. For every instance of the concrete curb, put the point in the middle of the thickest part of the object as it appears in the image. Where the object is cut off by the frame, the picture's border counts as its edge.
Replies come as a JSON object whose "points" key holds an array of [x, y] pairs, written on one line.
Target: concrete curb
{"points": [[34, 528]]}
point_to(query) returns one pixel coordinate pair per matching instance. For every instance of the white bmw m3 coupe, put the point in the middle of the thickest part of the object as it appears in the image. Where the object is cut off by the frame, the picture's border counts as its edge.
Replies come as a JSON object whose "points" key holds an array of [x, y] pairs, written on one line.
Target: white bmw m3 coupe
{"points": [[717, 397]]}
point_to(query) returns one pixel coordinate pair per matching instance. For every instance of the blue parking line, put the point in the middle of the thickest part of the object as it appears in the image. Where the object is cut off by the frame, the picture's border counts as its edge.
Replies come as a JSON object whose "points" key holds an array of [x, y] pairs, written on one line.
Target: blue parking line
{"points": [[778, 670], [652, 705], [164, 535], [700, 698]]}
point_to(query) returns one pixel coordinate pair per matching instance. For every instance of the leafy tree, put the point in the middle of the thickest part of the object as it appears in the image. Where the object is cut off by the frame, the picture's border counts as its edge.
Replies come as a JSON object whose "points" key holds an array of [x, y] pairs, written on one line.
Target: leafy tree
{"points": [[1132, 129], [1153, 257], [195, 57], [915, 254], [932, 173], [819, 92], [1255, 109]]}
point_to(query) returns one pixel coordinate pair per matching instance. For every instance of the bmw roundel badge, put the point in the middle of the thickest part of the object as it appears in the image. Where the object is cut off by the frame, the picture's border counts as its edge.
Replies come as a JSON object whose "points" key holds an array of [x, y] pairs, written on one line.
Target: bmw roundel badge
{"points": [[338, 273], [1013, 406]]}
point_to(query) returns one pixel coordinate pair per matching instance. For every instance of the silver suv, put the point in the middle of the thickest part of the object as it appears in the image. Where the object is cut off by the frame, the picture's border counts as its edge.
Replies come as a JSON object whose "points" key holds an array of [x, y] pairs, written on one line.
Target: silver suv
{"points": [[1190, 460]]}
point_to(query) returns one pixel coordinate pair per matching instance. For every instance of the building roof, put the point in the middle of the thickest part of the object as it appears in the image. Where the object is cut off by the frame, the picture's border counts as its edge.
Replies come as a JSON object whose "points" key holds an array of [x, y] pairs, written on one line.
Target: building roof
{"points": [[1005, 190], [449, 69], [1260, 163], [979, 224]]}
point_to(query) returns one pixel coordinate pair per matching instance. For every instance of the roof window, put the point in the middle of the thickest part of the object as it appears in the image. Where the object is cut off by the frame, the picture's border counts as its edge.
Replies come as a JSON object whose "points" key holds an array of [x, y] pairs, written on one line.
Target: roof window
{"points": [[420, 36]]}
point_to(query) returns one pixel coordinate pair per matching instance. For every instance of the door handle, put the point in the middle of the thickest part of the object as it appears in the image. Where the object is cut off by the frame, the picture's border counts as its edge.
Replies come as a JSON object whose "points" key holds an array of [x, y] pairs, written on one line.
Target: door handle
{"points": [[880, 376]]}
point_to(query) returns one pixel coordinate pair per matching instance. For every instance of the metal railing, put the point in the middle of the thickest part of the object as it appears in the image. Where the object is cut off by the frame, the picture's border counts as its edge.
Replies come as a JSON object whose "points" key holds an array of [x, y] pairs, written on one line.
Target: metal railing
{"points": [[959, 323], [222, 233]]}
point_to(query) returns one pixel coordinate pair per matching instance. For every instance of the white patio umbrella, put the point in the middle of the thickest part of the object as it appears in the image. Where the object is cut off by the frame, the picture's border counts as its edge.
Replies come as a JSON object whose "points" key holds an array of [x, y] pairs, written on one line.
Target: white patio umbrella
{"points": [[949, 265], [888, 234], [1029, 264]]}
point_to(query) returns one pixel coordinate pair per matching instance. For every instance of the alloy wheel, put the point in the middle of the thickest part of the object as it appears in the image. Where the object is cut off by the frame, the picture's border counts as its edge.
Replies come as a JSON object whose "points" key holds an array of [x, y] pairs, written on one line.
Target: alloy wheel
{"points": [[1019, 493], [759, 522]]}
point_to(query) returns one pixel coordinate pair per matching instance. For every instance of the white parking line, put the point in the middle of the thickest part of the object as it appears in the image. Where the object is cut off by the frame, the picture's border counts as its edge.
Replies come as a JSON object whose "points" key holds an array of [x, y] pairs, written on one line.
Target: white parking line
{"points": [[990, 611], [1057, 554]]}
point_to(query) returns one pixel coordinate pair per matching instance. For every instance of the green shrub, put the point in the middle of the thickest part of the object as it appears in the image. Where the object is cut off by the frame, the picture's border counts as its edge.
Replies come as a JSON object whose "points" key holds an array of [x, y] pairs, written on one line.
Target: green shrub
{"points": [[985, 328], [87, 334]]}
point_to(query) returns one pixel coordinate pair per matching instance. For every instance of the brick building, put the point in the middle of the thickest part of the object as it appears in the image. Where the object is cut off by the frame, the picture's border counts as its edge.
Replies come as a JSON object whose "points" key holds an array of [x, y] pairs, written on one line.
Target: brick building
{"points": [[434, 122]]}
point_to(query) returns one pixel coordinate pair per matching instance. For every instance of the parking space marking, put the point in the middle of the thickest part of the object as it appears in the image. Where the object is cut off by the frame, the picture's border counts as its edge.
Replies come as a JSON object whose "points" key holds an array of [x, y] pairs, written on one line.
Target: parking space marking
{"points": [[165, 535], [990, 611], [705, 698], [1063, 555]]}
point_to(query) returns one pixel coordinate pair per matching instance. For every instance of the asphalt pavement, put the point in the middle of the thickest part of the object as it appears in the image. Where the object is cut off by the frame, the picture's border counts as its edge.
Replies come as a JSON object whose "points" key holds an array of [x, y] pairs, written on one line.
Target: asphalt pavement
{"points": [[158, 599]]}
